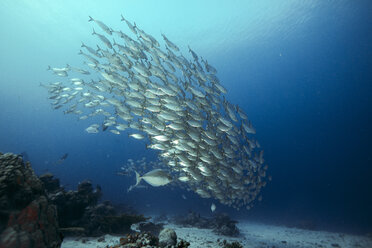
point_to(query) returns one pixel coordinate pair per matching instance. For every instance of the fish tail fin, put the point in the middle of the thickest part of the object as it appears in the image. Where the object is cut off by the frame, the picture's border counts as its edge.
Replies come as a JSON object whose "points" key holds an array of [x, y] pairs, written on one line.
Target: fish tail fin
{"points": [[130, 188], [49, 68], [114, 42], [82, 44], [90, 19], [80, 52], [122, 18], [138, 178], [94, 32]]}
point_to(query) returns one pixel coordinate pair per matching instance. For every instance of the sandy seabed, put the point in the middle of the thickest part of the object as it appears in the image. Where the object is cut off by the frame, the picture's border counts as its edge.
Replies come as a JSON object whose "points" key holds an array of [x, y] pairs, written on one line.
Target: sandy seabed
{"points": [[253, 235]]}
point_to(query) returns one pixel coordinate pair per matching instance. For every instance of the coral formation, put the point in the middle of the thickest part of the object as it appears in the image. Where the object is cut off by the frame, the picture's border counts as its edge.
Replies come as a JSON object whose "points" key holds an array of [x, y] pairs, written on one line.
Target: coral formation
{"points": [[71, 205], [79, 212], [27, 218]]}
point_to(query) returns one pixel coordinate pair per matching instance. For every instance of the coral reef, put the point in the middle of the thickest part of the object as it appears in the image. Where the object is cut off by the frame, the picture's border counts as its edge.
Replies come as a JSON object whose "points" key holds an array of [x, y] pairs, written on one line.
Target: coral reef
{"points": [[220, 223], [71, 205], [27, 218], [79, 212], [51, 184], [113, 224]]}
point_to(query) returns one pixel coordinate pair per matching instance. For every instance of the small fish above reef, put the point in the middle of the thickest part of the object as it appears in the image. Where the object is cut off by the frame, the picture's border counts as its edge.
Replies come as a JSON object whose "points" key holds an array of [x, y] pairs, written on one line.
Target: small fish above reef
{"points": [[122, 173], [213, 207], [63, 158]]}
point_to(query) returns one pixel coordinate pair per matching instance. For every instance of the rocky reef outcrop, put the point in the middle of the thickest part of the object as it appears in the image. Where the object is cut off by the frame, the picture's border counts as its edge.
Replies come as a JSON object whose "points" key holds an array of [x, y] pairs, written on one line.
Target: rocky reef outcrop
{"points": [[71, 205], [35, 211], [220, 223], [80, 213], [27, 218]]}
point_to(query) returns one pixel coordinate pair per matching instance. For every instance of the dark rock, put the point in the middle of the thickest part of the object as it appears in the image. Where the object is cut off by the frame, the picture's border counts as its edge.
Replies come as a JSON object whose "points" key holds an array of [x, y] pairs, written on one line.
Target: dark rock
{"points": [[234, 244], [27, 219], [150, 227], [192, 219], [182, 244], [223, 225], [72, 205], [79, 212], [102, 218], [18, 186], [85, 188], [72, 231], [51, 184], [167, 237], [220, 223]]}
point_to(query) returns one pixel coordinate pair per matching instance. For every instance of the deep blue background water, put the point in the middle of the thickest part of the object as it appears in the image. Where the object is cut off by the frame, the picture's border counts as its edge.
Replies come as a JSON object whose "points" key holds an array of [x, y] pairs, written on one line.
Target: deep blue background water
{"points": [[301, 70]]}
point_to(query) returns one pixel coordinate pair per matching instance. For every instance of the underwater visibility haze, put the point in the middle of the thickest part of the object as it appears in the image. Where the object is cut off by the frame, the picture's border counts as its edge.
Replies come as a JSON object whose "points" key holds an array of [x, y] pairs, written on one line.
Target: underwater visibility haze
{"points": [[260, 109]]}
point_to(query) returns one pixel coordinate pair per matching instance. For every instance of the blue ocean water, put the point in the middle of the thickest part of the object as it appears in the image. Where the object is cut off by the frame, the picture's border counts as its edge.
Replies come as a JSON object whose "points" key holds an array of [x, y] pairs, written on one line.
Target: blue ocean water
{"points": [[300, 69]]}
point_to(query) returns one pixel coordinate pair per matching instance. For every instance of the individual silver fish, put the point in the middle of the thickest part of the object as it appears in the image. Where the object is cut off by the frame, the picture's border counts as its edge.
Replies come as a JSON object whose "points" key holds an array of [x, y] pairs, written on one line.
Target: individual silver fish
{"points": [[155, 178], [131, 27], [101, 25], [103, 39], [213, 207]]}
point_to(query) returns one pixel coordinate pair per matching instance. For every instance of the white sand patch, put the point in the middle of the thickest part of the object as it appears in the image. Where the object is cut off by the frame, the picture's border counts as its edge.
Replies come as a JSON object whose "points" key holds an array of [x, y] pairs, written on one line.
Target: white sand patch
{"points": [[261, 236], [79, 242], [253, 235]]}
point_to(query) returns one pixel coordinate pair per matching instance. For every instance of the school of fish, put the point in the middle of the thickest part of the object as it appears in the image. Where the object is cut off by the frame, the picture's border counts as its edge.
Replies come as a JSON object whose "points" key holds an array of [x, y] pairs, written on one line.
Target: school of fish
{"points": [[177, 105]]}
